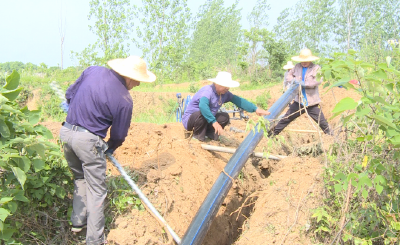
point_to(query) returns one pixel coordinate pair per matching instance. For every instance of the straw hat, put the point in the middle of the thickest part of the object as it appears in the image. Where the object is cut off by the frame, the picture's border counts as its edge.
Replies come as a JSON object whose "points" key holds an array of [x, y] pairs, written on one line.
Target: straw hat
{"points": [[224, 79], [288, 66], [133, 67], [305, 55]]}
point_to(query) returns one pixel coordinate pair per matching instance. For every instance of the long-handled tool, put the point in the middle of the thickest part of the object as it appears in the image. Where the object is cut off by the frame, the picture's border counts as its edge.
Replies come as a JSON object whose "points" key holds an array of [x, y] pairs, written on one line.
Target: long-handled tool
{"points": [[143, 198]]}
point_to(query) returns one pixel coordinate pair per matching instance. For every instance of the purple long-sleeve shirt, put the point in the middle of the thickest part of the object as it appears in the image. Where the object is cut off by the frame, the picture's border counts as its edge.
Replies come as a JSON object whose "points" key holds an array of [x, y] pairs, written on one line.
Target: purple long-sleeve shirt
{"points": [[98, 99], [215, 101]]}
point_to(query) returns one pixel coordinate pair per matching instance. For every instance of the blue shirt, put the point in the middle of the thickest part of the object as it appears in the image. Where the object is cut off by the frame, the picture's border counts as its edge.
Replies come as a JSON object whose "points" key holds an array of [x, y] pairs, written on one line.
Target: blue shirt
{"points": [[98, 99], [303, 89]]}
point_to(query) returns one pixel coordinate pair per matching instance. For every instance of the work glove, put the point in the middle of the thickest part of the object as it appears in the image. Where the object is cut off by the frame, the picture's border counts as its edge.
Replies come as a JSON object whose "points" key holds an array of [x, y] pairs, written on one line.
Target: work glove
{"points": [[301, 83], [64, 106]]}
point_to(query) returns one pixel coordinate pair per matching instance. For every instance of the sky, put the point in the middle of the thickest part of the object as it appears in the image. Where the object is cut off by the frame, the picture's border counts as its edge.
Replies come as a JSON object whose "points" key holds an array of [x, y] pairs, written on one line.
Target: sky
{"points": [[31, 30]]}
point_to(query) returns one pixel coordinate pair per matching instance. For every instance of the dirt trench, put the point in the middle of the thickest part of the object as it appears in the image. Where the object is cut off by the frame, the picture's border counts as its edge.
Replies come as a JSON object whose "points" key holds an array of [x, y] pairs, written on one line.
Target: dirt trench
{"points": [[270, 202]]}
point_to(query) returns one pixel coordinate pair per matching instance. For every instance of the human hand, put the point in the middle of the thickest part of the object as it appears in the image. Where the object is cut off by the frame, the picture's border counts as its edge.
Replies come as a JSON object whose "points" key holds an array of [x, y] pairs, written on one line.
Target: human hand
{"points": [[111, 151], [301, 83], [261, 112], [218, 129], [64, 106]]}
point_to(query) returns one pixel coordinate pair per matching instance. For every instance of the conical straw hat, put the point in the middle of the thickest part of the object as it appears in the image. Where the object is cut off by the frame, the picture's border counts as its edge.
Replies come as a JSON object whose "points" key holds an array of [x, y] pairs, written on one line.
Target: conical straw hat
{"points": [[133, 67], [288, 66], [224, 79], [305, 55]]}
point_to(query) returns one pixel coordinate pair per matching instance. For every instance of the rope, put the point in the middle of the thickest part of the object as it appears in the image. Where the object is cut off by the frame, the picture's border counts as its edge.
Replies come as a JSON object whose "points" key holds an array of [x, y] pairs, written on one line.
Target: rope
{"points": [[223, 170]]}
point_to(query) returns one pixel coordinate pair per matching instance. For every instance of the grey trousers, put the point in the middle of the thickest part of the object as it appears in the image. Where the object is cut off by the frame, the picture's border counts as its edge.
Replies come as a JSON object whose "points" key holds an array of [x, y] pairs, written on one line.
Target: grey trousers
{"points": [[201, 128], [295, 110], [84, 153]]}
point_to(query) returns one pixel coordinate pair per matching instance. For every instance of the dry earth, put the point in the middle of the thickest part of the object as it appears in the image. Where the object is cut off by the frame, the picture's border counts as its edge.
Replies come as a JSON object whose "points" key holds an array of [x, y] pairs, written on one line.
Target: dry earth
{"points": [[269, 203]]}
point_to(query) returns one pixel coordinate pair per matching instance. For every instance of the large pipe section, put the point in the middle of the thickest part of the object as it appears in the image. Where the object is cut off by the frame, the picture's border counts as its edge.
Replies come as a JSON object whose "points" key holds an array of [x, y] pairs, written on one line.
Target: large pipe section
{"points": [[209, 208]]}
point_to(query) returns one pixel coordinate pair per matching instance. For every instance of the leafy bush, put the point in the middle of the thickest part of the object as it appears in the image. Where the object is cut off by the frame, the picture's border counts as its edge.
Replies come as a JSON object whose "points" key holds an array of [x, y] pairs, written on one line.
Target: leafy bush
{"points": [[193, 87], [361, 180], [35, 181], [262, 100]]}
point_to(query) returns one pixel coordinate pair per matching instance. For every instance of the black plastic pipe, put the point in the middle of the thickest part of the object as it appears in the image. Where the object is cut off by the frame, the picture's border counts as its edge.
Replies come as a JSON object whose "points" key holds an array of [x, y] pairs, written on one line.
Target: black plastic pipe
{"points": [[209, 208]]}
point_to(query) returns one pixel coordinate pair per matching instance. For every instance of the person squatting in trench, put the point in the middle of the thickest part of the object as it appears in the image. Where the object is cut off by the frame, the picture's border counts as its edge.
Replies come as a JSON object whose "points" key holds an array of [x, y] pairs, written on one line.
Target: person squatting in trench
{"points": [[202, 116]]}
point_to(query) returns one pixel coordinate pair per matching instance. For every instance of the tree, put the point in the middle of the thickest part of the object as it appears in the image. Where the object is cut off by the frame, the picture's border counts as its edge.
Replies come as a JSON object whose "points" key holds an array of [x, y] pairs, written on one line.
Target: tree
{"points": [[277, 51], [164, 35], [112, 26], [380, 22], [258, 20], [308, 24], [61, 30], [346, 26], [215, 41]]}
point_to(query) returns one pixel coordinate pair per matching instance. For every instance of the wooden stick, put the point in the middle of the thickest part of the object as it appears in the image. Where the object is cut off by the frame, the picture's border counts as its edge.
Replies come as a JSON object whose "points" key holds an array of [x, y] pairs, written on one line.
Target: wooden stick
{"points": [[233, 150], [302, 131]]}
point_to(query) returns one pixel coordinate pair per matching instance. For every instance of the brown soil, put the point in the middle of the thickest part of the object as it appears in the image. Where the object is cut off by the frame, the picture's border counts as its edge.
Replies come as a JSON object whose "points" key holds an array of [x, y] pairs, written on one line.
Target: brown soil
{"points": [[33, 100], [269, 203]]}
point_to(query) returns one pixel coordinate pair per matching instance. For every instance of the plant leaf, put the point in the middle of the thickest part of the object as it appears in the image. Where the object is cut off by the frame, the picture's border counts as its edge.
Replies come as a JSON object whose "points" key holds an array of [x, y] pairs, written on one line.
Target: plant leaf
{"points": [[344, 105], [38, 165], [20, 175], [12, 95], [382, 120], [4, 214], [12, 81], [4, 130]]}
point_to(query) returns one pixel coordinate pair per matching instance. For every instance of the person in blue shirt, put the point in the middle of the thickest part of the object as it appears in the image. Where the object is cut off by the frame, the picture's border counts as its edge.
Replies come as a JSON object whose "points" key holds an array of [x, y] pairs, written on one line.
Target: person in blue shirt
{"points": [[305, 73], [202, 116], [98, 99]]}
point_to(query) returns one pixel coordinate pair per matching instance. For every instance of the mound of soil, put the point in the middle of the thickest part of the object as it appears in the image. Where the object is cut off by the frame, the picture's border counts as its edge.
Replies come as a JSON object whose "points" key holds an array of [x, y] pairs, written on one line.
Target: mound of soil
{"points": [[269, 202]]}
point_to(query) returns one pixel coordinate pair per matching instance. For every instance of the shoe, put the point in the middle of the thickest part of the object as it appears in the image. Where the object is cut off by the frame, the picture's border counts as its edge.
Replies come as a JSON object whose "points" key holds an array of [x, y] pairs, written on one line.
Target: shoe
{"points": [[77, 229]]}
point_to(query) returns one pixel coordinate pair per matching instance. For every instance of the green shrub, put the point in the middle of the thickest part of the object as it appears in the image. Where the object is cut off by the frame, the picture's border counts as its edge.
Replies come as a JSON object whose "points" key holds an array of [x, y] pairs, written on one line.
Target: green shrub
{"points": [[262, 100], [362, 204], [193, 87], [35, 180]]}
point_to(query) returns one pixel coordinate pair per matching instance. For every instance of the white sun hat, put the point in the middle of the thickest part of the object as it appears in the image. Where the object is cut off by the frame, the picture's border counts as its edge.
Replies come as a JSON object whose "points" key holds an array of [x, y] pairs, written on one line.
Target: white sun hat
{"points": [[133, 67], [224, 79], [305, 56], [288, 66]]}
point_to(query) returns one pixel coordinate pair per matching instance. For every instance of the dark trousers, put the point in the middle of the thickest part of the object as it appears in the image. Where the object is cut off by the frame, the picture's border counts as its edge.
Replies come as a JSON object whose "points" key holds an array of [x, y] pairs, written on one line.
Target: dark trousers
{"points": [[201, 128], [314, 112]]}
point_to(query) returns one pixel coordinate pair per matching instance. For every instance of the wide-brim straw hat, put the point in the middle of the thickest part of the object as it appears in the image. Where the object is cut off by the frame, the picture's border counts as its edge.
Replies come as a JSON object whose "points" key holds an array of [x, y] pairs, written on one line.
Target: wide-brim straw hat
{"points": [[305, 56], [288, 66], [224, 79], [133, 67]]}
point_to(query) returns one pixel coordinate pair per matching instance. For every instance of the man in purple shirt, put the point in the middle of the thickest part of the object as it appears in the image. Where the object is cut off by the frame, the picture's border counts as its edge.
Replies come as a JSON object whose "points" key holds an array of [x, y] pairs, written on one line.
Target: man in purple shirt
{"points": [[97, 100], [202, 116]]}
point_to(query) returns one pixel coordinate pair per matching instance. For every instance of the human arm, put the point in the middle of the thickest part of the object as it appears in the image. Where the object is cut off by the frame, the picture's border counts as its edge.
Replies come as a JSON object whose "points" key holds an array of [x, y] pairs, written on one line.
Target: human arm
{"points": [[311, 79], [248, 106], [204, 106], [289, 76], [243, 103], [120, 126]]}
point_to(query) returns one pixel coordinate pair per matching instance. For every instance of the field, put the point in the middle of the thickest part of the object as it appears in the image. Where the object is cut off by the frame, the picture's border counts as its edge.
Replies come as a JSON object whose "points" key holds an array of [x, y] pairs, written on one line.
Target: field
{"points": [[270, 201]]}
